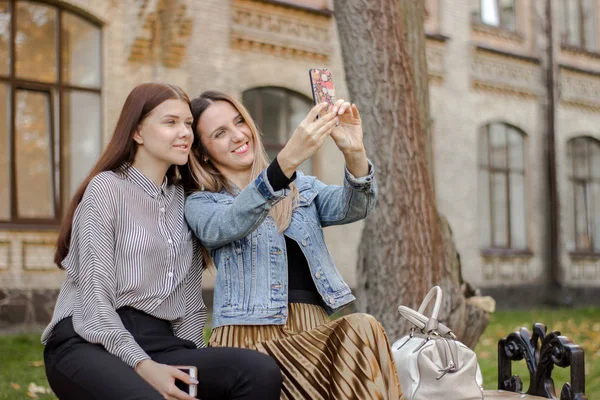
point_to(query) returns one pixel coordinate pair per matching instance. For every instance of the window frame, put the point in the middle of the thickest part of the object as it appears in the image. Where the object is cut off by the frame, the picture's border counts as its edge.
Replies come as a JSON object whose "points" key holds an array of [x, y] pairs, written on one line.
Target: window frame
{"points": [[581, 33], [506, 171], [57, 90], [588, 182], [477, 19]]}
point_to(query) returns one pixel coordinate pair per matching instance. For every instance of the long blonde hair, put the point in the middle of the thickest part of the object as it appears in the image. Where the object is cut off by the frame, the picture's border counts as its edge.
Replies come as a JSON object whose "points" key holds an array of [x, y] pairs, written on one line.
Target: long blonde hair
{"points": [[210, 179]]}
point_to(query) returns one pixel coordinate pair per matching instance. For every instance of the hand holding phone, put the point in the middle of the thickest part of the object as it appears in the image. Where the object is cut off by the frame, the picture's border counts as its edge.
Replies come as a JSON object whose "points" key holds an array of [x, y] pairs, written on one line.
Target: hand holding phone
{"points": [[162, 377], [323, 90], [192, 389]]}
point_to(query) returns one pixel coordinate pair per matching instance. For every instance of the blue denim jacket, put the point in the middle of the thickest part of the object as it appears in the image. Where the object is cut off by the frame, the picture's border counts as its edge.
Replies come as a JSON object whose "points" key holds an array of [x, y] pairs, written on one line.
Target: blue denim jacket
{"points": [[250, 254]]}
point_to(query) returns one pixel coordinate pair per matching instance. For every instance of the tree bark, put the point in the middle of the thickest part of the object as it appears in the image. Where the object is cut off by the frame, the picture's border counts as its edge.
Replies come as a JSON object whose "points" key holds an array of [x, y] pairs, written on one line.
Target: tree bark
{"points": [[406, 247]]}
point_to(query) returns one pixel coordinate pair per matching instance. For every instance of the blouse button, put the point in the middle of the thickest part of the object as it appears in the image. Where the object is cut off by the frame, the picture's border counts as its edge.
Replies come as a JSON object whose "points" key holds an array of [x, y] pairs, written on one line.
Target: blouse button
{"points": [[170, 274], [170, 241], [162, 209]]}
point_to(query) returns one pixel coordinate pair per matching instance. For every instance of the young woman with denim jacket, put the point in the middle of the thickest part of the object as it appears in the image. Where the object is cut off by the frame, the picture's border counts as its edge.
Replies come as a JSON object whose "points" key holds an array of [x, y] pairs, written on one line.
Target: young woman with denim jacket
{"points": [[261, 225]]}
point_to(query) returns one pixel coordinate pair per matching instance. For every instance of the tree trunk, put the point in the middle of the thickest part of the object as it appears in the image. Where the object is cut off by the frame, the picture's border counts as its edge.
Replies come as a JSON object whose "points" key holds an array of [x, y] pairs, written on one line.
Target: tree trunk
{"points": [[406, 247]]}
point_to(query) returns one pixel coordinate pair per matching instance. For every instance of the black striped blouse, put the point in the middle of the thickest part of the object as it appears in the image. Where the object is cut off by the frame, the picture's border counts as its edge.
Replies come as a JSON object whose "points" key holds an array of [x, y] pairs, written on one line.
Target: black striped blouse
{"points": [[130, 246]]}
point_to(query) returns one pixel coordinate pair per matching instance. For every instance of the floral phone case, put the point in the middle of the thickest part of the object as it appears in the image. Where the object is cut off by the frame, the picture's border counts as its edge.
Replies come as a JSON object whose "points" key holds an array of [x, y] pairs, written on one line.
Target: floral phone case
{"points": [[322, 87]]}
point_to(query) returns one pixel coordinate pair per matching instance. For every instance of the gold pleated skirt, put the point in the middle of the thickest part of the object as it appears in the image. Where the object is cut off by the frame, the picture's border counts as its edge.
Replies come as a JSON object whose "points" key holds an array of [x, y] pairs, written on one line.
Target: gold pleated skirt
{"points": [[348, 358]]}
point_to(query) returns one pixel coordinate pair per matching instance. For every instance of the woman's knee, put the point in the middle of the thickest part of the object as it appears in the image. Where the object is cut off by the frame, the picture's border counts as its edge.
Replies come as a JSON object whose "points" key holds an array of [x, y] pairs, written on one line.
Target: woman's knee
{"points": [[362, 320], [260, 371]]}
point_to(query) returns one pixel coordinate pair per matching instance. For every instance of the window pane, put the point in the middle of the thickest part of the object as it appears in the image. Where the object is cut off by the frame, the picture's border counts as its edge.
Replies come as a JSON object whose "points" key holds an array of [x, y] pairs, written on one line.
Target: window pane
{"points": [[507, 14], [269, 115], [499, 210], [580, 158], [82, 134], [36, 42], [596, 216], [485, 232], [4, 38], [594, 152], [4, 152], [277, 112], [498, 145], [299, 107], [489, 12], [80, 51], [516, 155], [582, 237], [33, 155], [518, 223], [573, 23], [589, 30], [483, 149]]}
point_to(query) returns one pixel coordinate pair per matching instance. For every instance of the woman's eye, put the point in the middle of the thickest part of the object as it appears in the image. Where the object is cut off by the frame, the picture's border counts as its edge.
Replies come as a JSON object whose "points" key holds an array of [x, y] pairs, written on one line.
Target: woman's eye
{"points": [[219, 134], [170, 121], [189, 123], [241, 121]]}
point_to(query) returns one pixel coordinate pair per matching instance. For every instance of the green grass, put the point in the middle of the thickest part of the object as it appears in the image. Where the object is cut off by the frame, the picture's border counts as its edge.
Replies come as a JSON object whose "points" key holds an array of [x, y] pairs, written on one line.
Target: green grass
{"points": [[21, 355], [582, 326]]}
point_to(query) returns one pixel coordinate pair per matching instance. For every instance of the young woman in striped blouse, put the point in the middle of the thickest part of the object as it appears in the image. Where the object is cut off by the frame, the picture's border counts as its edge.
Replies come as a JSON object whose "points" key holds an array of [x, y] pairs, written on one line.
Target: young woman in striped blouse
{"points": [[131, 305]]}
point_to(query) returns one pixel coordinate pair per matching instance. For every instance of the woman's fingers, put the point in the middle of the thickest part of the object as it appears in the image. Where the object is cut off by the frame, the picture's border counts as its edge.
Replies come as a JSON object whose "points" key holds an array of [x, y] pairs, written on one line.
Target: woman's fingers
{"points": [[312, 114], [187, 379], [327, 128], [355, 112]]}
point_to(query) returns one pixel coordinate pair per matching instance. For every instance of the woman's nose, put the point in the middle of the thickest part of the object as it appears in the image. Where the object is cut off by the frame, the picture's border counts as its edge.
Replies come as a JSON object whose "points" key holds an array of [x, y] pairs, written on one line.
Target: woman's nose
{"points": [[238, 135]]}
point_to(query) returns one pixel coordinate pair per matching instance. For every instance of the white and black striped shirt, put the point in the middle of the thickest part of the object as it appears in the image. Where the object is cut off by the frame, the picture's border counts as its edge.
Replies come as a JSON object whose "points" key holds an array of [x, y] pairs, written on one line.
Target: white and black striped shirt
{"points": [[130, 246]]}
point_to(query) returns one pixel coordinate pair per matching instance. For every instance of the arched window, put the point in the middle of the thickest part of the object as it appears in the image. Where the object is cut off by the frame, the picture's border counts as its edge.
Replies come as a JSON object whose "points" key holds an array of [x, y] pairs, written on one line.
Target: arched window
{"points": [[277, 112], [50, 125], [583, 166], [502, 199]]}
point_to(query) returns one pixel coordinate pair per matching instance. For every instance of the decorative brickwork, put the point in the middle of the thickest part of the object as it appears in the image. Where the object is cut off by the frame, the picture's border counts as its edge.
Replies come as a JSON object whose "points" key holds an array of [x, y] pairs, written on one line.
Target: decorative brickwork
{"points": [[506, 74], [163, 33], [579, 89], [280, 30]]}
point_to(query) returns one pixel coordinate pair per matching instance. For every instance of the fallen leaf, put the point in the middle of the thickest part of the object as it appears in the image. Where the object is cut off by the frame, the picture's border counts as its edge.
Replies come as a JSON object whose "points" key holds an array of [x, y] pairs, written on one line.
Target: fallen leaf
{"points": [[35, 389], [15, 386], [36, 363]]}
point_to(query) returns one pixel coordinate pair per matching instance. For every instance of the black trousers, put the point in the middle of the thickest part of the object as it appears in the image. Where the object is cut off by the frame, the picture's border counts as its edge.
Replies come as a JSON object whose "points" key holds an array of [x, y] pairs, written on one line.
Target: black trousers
{"points": [[79, 370]]}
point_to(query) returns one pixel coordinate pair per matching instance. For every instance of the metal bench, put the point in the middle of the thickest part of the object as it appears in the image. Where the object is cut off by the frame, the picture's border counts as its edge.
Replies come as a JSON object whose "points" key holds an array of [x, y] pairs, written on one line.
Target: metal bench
{"points": [[541, 351]]}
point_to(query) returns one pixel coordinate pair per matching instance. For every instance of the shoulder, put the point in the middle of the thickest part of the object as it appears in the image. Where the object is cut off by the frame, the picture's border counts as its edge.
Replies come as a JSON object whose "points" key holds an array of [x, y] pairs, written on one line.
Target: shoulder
{"points": [[304, 181], [206, 196], [103, 187]]}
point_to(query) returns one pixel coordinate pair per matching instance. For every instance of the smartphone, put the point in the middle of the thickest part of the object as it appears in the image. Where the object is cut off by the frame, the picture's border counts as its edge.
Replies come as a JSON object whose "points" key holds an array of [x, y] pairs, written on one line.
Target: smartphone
{"points": [[323, 90], [192, 390]]}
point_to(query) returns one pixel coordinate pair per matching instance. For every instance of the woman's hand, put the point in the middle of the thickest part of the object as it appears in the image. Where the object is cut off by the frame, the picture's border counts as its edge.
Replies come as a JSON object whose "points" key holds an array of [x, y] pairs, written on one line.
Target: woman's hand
{"points": [[162, 378], [306, 139], [348, 137]]}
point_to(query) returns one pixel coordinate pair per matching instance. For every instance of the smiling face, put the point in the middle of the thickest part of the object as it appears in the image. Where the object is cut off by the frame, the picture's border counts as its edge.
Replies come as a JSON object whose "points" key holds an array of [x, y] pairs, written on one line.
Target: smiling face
{"points": [[165, 136], [228, 140]]}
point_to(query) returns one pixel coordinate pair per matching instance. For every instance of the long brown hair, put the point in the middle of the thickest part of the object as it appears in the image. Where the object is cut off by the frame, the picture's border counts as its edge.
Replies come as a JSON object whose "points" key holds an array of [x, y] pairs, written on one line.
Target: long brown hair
{"points": [[122, 149], [210, 179]]}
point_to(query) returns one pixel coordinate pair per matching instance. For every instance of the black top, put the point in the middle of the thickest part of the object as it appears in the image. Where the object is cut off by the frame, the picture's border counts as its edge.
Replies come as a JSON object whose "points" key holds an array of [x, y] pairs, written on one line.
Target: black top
{"points": [[301, 287]]}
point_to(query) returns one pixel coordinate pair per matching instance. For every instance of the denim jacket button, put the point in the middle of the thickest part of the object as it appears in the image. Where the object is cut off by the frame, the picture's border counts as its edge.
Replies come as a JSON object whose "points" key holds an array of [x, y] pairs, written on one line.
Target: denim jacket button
{"points": [[304, 243], [318, 275], [331, 301]]}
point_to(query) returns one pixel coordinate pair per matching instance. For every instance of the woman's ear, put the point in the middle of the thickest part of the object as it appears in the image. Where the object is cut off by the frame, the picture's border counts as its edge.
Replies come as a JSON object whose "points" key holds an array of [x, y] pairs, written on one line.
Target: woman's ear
{"points": [[137, 136]]}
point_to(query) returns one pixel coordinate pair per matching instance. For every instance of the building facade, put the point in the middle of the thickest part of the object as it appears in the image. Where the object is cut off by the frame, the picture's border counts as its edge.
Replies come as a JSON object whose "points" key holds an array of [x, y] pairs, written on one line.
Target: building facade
{"points": [[67, 66]]}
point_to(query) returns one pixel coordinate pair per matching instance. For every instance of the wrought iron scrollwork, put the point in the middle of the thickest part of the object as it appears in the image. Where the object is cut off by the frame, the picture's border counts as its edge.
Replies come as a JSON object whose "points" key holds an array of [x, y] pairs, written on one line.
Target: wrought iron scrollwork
{"points": [[541, 352]]}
